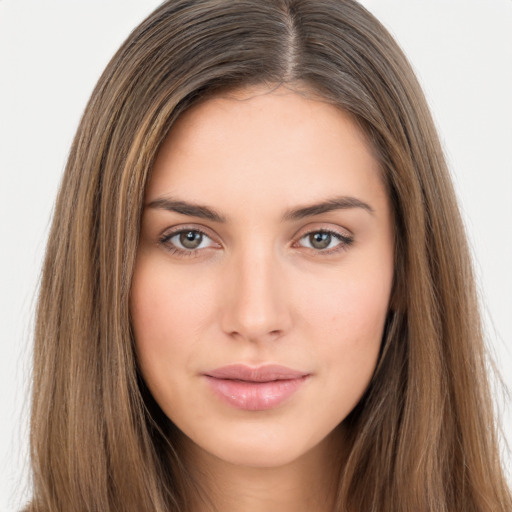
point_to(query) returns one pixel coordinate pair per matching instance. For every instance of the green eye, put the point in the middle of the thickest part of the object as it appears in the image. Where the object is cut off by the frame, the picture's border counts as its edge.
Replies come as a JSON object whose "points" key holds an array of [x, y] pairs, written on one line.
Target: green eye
{"points": [[323, 240], [320, 240], [186, 241], [190, 239]]}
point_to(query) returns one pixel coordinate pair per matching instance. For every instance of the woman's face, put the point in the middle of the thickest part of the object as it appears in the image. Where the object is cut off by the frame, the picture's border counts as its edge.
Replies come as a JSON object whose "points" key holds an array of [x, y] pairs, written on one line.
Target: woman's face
{"points": [[263, 274]]}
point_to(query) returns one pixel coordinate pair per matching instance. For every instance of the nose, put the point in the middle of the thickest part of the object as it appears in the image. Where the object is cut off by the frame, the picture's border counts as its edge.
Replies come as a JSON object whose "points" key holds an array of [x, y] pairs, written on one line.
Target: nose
{"points": [[256, 300]]}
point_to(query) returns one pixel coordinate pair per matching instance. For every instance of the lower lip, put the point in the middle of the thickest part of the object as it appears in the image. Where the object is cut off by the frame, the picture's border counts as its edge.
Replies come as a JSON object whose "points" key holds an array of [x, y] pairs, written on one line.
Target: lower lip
{"points": [[255, 396]]}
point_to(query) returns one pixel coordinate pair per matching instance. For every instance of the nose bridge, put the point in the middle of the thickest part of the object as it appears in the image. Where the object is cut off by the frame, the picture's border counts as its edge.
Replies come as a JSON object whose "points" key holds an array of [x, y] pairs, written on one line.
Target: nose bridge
{"points": [[256, 308]]}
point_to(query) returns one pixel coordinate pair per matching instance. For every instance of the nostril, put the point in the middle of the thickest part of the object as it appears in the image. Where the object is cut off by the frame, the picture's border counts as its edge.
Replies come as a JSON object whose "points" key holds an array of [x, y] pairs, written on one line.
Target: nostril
{"points": [[253, 336]]}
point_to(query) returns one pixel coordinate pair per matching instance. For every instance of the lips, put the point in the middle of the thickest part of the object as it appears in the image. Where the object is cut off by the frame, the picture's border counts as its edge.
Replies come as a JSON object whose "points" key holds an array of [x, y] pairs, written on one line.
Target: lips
{"points": [[255, 389]]}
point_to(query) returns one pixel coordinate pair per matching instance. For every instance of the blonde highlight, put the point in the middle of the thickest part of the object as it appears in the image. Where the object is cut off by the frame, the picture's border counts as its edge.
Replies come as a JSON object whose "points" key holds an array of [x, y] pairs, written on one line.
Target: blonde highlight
{"points": [[423, 437]]}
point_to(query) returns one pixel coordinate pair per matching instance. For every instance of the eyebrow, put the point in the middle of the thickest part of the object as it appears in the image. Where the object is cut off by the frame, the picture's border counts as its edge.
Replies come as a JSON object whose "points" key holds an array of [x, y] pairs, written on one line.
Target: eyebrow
{"points": [[208, 213], [336, 203], [185, 208]]}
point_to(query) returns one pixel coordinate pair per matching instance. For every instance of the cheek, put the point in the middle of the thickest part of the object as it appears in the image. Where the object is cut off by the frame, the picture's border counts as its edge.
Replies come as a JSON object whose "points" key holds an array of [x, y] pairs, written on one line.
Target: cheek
{"points": [[352, 311], [346, 320], [168, 314]]}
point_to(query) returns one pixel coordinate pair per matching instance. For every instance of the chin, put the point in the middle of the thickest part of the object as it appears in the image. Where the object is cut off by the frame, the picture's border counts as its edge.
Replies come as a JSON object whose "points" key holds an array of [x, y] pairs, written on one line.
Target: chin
{"points": [[259, 447]]}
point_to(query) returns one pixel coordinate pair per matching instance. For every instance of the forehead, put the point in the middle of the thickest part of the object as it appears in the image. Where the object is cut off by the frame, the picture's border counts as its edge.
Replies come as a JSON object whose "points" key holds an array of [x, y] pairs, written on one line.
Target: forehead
{"points": [[274, 145]]}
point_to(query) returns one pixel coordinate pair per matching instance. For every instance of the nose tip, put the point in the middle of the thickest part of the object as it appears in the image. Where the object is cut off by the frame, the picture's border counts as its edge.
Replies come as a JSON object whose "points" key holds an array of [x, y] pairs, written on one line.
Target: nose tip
{"points": [[256, 306], [255, 326]]}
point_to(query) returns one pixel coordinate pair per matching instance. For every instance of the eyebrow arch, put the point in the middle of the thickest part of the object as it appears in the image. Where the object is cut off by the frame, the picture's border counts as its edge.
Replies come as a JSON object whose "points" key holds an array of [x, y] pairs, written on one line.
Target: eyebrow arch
{"points": [[336, 203], [185, 208], [207, 213]]}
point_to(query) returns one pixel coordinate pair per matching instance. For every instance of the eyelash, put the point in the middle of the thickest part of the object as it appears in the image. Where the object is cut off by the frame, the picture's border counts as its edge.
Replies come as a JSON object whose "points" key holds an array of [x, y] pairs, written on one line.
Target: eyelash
{"points": [[344, 242], [165, 241]]}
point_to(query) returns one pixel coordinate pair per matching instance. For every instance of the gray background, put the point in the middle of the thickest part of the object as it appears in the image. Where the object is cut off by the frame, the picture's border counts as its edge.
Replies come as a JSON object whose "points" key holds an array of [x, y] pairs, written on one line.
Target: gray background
{"points": [[51, 54]]}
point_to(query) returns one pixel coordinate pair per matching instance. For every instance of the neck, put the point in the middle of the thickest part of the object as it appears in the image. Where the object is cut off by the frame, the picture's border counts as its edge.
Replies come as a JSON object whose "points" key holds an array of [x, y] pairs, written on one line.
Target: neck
{"points": [[307, 484]]}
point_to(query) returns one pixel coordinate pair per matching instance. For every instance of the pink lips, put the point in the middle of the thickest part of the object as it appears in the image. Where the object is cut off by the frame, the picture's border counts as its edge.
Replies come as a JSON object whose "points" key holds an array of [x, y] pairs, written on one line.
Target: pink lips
{"points": [[255, 389]]}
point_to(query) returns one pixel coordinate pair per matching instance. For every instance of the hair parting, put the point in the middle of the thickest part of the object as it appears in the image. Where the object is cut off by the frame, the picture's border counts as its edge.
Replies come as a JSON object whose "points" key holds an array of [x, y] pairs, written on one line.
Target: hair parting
{"points": [[423, 437]]}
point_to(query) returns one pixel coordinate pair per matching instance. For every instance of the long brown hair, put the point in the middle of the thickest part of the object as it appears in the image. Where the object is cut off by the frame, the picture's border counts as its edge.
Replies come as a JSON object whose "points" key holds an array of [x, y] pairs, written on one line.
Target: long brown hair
{"points": [[423, 438]]}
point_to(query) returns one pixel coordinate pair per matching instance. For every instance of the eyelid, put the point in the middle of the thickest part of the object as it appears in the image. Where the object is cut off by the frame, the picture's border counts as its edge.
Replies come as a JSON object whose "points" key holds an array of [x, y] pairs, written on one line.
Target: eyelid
{"points": [[345, 238], [169, 233], [342, 234], [326, 227]]}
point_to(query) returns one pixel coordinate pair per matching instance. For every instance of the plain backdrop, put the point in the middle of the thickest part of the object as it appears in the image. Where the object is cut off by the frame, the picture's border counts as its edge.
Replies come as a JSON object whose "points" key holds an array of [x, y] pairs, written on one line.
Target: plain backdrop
{"points": [[53, 51]]}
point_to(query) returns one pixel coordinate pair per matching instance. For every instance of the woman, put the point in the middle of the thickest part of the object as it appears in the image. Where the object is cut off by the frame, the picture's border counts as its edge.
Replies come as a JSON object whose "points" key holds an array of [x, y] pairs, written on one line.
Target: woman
{"points": [[257, 290]]}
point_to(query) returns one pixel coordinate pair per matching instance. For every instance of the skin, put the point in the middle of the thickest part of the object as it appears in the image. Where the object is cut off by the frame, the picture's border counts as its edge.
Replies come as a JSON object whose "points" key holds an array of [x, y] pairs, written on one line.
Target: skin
{"points": [[258, 291]]}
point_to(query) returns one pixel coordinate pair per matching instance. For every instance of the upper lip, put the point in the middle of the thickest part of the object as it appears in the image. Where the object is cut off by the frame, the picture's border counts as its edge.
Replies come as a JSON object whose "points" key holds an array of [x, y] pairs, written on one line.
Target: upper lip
{"points": [[265, 373]]}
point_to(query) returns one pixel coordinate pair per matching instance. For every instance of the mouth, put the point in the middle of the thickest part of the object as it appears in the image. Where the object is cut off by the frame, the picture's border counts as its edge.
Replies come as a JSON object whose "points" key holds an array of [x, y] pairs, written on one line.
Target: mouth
{"points": [[255, 389]]}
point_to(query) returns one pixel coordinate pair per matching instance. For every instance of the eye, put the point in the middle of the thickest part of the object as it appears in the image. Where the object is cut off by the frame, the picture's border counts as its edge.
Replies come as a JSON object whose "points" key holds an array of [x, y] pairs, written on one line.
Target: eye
{"points": [[187, 241], [325, 240]]}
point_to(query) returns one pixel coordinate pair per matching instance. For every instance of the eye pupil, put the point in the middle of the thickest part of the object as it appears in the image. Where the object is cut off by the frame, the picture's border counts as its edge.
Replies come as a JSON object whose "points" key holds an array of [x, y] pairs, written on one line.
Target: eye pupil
{"points": [[191, 239], [320, 240]]}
